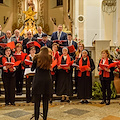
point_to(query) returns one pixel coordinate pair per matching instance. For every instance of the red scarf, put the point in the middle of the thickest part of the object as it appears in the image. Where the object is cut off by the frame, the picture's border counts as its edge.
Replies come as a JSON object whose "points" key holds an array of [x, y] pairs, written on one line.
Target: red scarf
{"points": [[80, 64], [4, 60], [55, 55], [67, 60], [105, 73]]}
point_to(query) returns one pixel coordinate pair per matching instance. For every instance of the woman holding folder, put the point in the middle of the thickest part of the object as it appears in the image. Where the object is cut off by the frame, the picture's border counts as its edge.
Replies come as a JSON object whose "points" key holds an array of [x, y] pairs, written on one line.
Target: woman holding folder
{"points": [[28, 64], [86, 66], [20, 71], [9, 78], [42, 82], [64, 78], [106, 76]]}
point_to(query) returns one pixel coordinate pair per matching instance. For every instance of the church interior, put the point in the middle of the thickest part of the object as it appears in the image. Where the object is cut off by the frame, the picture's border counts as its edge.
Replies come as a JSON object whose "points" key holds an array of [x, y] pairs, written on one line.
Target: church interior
{"points": [[94, 23]]}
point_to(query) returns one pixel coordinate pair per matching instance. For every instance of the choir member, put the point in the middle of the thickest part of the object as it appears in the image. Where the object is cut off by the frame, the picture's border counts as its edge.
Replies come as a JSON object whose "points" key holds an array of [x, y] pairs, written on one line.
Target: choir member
{"points": [[45, 41], [86, 66], [9, 37], [59, 35], [17, 36], [27, 40], [29, 78], [70, 42], [79, 51], [40, 32], [55, 52], [20, 70], [42, 82], [9, 79], [77, 56], [106, 76], [64, 86]]}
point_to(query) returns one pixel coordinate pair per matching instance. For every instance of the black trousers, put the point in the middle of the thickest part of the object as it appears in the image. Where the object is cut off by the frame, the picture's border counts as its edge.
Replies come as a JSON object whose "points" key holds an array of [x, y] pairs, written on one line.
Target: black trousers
{"points": [[106, 82], [28, 87], [19, 79], [37, 100], [9, 82]]}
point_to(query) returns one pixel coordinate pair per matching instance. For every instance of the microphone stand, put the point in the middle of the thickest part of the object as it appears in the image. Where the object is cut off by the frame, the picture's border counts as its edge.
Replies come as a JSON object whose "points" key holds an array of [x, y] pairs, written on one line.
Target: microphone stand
{"points": [[94, 38]]}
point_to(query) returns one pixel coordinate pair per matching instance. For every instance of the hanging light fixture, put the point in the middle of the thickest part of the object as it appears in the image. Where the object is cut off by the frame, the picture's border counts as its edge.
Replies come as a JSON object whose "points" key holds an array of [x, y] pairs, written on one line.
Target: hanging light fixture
{"points": [[109, 6]]}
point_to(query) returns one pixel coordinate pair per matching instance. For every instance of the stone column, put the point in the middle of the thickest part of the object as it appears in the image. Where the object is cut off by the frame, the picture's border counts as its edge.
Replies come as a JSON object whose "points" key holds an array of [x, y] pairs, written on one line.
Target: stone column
{"points": [[118, 22]]}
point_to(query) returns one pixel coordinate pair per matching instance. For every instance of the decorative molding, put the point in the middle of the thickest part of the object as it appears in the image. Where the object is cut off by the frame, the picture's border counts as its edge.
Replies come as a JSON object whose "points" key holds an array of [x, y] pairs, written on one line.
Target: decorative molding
{"points": [[20, 13]]}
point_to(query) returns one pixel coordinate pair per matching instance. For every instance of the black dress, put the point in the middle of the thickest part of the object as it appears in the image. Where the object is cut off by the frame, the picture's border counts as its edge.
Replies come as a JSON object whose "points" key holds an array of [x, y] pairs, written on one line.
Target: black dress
{"points": [[84, 83], [42, 81], [64, 84]]}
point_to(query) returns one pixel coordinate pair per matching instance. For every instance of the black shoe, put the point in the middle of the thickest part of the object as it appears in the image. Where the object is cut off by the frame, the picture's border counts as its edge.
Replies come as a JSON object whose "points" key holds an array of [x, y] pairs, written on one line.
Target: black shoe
{"points": [[103, 102], [108, 102], [6, 104], [82, 102], [13, 104], [62, 100], [86, 101], [68, 101], [51, 102]]}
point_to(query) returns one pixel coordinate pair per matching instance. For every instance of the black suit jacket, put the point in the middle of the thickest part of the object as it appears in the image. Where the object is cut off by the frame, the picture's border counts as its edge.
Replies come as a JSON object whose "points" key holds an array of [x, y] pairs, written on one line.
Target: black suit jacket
{"points": [[48, 44], [36, 35], [20, 38], [75, 45], [25, 41], [12, 39], [62, 37]]}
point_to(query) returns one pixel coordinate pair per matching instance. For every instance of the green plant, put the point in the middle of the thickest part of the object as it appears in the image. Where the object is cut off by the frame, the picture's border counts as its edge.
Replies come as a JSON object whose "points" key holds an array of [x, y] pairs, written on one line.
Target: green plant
{"points": [[97, 93]]}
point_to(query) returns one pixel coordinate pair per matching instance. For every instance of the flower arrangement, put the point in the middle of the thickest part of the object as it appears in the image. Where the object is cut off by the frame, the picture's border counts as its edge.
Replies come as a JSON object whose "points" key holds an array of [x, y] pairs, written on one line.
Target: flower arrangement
{"points": [[115, 53], [77, 39]]}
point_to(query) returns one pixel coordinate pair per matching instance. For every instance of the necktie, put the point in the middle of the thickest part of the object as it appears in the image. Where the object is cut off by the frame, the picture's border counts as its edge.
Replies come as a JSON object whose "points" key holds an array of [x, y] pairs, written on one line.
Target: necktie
{"points": [[58, 35]]}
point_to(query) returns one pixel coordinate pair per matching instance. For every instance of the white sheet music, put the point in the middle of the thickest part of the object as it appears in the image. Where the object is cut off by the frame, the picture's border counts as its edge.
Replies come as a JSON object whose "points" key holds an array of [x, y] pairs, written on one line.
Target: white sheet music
{"points": [[28, 71]]}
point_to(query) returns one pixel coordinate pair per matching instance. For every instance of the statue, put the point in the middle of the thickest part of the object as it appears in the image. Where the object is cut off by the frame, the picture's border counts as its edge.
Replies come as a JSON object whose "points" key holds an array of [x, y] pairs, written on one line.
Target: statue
{"points": [[31, 4], [29, 24]]}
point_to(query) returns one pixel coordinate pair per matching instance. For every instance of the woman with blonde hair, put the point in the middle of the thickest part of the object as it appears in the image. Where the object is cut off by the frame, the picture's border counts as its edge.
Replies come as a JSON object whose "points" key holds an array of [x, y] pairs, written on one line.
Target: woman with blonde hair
{"points": [[105, 76], [42, 82], [77, 56]]}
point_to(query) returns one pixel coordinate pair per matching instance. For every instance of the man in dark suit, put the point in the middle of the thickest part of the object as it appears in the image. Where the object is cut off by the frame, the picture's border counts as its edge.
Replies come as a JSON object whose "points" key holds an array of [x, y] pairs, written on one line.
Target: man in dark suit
{"points": [[1, 33], [70, 42], [39, 34], [45, 41], [9, 38], [17, 35], [59, 35], [28, 39]]}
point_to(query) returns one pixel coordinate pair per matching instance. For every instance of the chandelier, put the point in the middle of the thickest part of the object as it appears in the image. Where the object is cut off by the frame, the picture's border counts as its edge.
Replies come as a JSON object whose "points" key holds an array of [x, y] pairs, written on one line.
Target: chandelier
{"points": [[109, 6]]}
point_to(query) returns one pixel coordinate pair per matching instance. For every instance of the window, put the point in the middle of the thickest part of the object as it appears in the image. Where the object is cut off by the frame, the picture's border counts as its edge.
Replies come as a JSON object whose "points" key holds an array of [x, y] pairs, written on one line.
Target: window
{"points": [[59, 2], [1, 1]]}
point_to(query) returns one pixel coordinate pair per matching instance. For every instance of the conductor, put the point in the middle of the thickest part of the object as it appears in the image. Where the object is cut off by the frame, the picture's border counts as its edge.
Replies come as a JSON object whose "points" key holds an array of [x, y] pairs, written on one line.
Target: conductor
{"points": [[42, 81]]}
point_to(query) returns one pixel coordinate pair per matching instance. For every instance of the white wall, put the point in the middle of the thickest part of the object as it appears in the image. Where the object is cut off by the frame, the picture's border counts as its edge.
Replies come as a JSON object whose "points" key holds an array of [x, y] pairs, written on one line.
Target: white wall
{"points": [[93, 21]]}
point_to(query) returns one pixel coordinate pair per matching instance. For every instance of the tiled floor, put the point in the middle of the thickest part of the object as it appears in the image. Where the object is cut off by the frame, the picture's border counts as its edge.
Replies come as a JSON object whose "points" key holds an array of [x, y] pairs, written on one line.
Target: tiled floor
{"points": [[64, 111]]}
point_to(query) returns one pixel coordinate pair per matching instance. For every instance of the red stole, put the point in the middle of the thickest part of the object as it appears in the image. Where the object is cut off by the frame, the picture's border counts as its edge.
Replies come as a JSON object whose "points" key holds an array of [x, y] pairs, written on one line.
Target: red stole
{"points": [[80, 64], [67, 60], [4, 60], [55, 55], [105, 73]]}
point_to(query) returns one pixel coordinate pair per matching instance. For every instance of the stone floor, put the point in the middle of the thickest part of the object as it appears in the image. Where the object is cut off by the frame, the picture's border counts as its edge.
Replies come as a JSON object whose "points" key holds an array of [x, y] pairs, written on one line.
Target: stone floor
{"points": [[64, 111]]}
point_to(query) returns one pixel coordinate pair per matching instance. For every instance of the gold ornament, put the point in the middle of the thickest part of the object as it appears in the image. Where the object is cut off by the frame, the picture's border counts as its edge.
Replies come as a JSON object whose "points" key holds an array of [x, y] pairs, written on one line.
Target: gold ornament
{"points": [[29, 14]]}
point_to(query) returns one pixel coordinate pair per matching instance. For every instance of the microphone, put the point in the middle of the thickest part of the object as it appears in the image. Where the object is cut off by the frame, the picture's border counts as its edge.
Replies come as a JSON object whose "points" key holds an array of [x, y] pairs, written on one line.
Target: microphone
{"points": [[94, 37]]}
